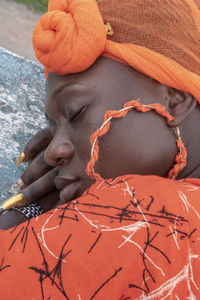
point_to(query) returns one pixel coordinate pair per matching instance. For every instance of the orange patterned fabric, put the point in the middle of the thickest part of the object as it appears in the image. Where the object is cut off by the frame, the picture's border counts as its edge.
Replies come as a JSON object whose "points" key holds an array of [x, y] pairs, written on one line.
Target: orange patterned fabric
{"points": [[158, 38], [135, 237]]}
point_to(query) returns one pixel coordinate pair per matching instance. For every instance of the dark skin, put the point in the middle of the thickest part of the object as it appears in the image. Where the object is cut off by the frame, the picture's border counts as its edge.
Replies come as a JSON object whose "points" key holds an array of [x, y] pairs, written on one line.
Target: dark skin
{"points": [[141, 143]]}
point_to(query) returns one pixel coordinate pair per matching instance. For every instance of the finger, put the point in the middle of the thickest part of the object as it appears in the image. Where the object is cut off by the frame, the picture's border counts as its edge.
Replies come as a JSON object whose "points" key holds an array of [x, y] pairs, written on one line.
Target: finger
{"points": [[38, 142], [41, 187], [11, 218], [36, 169], [50, 201]]}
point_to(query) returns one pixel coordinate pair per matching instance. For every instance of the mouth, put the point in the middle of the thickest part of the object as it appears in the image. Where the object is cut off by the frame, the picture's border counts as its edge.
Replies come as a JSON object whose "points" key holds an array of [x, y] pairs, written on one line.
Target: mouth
{"points": [[68, 188]]}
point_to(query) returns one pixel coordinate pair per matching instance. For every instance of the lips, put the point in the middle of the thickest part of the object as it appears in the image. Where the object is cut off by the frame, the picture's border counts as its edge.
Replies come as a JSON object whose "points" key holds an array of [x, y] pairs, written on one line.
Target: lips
{"points": [[69, 188]]}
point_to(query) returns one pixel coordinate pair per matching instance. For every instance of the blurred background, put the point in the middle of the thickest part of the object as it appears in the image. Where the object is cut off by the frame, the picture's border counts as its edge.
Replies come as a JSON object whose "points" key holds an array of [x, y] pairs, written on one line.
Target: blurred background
{"points": [[38, 5], [17, 19], [22, 86]]}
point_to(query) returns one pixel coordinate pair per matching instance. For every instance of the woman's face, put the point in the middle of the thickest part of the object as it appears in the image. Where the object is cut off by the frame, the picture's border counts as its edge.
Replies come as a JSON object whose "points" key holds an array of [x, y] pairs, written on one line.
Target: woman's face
{"points": [[75, 104]]}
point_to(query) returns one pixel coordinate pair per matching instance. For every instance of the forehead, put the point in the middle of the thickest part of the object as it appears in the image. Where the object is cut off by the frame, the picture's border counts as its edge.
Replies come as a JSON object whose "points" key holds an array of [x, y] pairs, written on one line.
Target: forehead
{"points": [[106, 79], [54, 80], [103, 72]]}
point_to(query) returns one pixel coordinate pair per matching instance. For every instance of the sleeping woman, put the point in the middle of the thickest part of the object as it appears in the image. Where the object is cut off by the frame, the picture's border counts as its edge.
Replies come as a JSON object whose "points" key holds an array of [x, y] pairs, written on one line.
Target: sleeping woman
{"points": [[116, 174]]}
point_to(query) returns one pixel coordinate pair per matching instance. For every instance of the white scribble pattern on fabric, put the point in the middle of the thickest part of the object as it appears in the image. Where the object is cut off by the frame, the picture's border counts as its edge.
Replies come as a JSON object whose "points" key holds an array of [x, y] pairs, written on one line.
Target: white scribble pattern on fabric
{"points": [[135, 237]]}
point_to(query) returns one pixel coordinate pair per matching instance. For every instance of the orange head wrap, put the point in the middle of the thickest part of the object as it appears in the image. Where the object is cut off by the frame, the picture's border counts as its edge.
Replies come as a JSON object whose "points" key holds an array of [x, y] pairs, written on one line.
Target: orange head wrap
{"points": [[70, 37], [159, 38]]}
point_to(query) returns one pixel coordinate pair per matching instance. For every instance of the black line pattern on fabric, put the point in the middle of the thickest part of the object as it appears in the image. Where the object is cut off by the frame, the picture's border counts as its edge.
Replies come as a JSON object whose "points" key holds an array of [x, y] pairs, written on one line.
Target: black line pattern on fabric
{"points": [[150, 203], [144, 281], [15, 239], [182, 234], [13, 229], [164, 212], [3, 267], [24, 238], [192, 232], [55, 273], [88, 193], [63, 216], [124, 214], [126, 298], [131, 285], [144, 263], [118, 218], [167, 215], [148, 243], [94, 244], [70, 218], [106, 282], [137, 203], [109, 184], [128, 212], [163, 254]]}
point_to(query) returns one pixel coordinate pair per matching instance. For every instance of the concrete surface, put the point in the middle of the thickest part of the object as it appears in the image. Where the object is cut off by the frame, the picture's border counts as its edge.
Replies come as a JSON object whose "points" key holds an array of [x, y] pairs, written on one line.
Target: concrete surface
{"points": [[17, 23], [21, 112]]}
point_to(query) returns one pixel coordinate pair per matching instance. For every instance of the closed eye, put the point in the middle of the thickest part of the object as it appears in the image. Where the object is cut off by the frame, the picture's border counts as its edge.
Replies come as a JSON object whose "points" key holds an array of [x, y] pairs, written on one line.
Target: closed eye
{"points": [[78, 114]]}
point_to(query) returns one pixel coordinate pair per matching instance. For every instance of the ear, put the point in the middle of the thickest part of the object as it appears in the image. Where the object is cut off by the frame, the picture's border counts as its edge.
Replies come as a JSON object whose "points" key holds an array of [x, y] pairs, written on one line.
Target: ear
{"points": [[180, 105]]}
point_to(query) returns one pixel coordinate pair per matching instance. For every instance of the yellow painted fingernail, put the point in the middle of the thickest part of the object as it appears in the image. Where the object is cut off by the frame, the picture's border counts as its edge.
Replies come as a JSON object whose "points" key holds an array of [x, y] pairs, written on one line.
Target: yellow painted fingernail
{"points": [[13, 201], [20, 159]]}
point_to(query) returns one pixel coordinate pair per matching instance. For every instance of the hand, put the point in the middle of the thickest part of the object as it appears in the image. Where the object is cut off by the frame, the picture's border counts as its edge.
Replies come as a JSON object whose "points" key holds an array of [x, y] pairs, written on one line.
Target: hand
{"points": [[39, 177], [38, 180]]}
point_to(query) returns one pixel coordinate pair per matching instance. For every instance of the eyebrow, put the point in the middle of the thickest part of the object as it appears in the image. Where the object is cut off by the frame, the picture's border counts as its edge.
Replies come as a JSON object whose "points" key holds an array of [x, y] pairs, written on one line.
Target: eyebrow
{"points": [[57, 91]]}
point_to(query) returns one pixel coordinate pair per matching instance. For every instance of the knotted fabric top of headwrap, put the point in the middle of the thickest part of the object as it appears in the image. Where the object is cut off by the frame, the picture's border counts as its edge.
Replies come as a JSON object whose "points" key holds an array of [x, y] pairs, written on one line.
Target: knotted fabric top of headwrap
{"points": [[159, 38], [70, 37]]}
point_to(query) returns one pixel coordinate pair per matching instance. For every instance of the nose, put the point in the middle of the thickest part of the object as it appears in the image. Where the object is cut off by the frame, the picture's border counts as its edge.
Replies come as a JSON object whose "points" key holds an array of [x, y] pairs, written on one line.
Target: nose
{"points": [[59, 150]]}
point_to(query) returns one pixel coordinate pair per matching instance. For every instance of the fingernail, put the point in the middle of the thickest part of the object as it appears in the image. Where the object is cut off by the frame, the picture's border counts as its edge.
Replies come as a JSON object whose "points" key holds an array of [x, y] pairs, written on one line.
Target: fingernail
{"points": [[20, 159], [13, 201], [19, 183], [16, 186]]}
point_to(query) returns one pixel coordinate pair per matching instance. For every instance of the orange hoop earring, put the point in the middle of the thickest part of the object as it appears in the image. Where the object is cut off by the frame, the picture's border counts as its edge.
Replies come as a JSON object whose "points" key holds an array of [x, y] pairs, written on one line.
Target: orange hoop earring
{"points": [[180, 159]]}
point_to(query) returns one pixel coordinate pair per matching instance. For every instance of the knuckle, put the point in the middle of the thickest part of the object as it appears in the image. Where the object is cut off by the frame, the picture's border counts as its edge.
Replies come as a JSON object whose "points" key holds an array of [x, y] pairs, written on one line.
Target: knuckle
{"points": [[52, 174], [27, 177], [44, 135], [47, 132], [40, 140], [31, 193], [30, 149], [41, 159]]}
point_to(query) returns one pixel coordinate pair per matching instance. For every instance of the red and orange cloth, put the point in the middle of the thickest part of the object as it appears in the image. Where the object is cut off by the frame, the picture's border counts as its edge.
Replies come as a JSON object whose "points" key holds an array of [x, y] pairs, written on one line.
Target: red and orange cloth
{"points": [[134, 237]]}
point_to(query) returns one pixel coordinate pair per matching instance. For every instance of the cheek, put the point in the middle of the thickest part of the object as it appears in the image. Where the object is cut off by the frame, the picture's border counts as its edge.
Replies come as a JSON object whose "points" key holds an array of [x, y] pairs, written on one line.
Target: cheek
{"points": [[140, 144], [81, 138]]}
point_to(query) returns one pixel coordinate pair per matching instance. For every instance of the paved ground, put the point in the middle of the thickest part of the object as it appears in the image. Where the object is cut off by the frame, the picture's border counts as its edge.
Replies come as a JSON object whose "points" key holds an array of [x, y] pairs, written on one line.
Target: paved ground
{"points": [[21, 113], [17, 23], [21, 89]]}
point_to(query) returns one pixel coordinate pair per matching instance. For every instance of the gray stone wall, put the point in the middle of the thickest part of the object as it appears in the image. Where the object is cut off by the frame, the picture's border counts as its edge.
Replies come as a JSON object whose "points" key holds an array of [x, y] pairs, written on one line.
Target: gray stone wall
{"points": [[22, 92]]}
